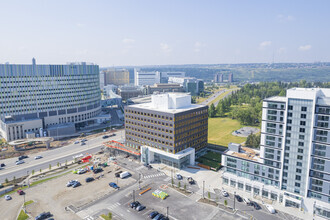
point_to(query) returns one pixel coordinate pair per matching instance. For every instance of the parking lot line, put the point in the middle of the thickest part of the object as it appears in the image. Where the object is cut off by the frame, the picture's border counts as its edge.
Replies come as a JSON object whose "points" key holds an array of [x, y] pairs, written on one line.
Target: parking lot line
{"points": [[128, 210], [118, 203]]}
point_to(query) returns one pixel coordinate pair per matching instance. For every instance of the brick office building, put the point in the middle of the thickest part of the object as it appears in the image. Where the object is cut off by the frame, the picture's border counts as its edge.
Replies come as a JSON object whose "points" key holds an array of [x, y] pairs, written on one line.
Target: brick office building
{"points": [[169, 128]]}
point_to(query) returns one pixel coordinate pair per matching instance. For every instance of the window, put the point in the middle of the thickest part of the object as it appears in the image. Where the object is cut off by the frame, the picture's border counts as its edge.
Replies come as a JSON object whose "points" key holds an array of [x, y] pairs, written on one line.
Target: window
{"points": [[298, 177], [290, 114], [301, 137], [300, 150], [289, 121], [302, 123], [290, 107], [288, 128], [297, 184], [303, 109], [298, 170], [303, 116], [302, 130], [299, 164], [299, 157], [301, 144]]}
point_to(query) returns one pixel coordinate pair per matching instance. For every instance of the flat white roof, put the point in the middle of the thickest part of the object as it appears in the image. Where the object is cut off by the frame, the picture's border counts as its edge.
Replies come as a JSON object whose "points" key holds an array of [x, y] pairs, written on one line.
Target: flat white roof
{"points": [[149, 106], [276, 99]]}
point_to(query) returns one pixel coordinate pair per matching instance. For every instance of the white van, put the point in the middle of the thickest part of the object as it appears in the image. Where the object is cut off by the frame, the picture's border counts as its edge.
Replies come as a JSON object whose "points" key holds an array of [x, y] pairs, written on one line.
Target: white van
{"points": [[270, 209], [246, 201], [124, 174]]}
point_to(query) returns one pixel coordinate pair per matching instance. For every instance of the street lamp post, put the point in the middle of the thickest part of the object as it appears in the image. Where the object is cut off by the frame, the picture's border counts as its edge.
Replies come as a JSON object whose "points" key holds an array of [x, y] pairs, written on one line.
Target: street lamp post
{"points": [[203, 188], [139, 181], [234, 199], [167, 208], [133, 195]]}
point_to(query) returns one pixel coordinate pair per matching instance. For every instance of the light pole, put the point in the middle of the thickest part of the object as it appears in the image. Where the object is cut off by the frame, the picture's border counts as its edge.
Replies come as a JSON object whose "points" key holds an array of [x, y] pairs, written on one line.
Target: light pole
{"points": [[234, 199], [24, 204], [203, 188], [139, 181], [167, 211], [133, 195]]}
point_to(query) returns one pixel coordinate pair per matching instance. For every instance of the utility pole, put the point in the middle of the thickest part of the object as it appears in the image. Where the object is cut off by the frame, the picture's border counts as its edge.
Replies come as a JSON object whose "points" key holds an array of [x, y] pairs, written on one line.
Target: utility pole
{"points": [[167, 211], [203, 188], [133, 195], [139, 181], [234, 199], [24, 204]]}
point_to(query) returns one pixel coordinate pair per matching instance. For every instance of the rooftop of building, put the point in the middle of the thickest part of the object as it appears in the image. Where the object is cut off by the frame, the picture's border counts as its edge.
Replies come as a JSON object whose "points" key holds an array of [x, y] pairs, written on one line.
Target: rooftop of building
{"points": [[276, 99], [169, 103], [243, 152]]}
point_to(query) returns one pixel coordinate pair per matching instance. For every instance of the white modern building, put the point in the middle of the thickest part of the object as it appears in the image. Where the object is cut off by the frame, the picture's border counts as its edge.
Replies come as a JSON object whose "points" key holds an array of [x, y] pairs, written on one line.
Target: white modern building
{"points": [[164, 76], [34, 98], [293, 164], [190, 84], [142, 78]]}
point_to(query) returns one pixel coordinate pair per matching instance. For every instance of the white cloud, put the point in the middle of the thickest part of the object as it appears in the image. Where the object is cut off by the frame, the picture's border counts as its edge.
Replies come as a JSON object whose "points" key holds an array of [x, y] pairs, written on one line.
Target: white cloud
{"points": [[305, 47], [80, 25], [285, 18], [197, 46], [264, 44], [128, 41], [281, 50], [165, 48]]}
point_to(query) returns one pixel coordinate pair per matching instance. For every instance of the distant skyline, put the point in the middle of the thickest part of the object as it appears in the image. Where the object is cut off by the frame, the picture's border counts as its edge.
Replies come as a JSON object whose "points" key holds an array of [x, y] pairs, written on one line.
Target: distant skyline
{"points": [[118, 33]]}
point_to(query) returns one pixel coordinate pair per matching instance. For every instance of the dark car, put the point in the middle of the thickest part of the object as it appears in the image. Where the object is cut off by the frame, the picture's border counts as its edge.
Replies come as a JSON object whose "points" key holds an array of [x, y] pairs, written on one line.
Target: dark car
{"points": [[255, 205], [158, 217], [76, 184], [22, 157], [105, 136], [164, 218], [20, 192], [97, 170], [2, 165], [153, 214], [113, 185], [43, 215], [118, 173], [134, 204], [238, 198], [89, 179]]}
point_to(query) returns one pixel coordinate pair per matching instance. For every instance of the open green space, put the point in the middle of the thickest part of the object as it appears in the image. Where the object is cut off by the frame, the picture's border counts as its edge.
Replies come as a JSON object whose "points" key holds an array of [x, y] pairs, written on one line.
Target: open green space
{"points": [[211, 159], [28, 202], [22, 216], [220, 131], [107, 217]]}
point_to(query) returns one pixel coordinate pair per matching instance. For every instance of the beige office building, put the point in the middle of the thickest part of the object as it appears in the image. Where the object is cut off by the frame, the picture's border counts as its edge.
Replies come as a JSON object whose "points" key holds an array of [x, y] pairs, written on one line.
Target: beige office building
{"points": [[115, 77]]}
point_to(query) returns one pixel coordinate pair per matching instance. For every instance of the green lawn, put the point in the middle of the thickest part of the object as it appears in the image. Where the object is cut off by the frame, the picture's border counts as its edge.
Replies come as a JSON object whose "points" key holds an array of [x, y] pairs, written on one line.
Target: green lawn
{"points": [[22, 216], [211, 159], [28, 202], [220, 130]]}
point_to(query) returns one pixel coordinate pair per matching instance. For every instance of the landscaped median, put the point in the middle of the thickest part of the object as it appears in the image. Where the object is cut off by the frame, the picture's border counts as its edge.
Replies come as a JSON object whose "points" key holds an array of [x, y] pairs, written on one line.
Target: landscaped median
{"points": [[22, 216]]}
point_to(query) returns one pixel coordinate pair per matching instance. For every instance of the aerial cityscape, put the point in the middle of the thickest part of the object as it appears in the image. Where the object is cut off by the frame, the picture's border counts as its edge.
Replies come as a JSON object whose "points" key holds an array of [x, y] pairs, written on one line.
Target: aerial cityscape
{"points": [[164, 110]]}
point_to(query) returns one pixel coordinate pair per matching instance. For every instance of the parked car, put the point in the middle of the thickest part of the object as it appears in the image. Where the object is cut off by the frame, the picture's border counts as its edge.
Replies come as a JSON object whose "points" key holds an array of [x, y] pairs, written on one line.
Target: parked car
{"points": [[255, 205], [82, 171], [22, 157], [89, 179], [164, 218], [70, 183], [20, 192], [117, 174], [76, 184], [224, 193], [246, 201], [134, 204], [153, 214], [37, 157], [83, 143], [238, 198], [124, 174], [83, 140], [178, 176], [140, 207], [190, 180], [270, 209], [2, 165], [43, 215], [7, 197], [158, 217], [19, 162], [114, 185], [105, 136], [97, 170]]}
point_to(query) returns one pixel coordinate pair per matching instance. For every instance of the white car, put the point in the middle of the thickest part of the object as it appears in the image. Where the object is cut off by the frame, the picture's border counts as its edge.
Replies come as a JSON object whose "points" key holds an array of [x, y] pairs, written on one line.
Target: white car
{"points": [[38, 157], [19, 162], [76, 142], [224, 193], [270, 209], [7, 197]]}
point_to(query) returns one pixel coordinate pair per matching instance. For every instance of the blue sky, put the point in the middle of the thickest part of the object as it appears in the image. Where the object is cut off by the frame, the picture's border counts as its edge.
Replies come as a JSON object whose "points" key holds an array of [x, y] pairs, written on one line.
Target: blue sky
{"points": [[112, 33]]}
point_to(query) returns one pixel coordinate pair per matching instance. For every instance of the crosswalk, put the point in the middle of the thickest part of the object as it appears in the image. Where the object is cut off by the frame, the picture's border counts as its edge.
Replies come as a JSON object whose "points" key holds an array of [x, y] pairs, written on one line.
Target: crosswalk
{"points": [[113, 206], [153, 175]]}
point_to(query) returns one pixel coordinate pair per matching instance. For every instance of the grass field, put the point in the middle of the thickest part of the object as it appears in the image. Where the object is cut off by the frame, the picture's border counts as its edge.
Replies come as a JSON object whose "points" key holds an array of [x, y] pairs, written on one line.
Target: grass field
{"points": [[22, 216], [220, 130], [211, 159]]}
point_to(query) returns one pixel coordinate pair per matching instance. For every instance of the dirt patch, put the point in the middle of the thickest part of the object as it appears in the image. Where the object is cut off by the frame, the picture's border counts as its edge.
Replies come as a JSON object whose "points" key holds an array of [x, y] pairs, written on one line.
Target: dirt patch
{"points": [[246, 131]]}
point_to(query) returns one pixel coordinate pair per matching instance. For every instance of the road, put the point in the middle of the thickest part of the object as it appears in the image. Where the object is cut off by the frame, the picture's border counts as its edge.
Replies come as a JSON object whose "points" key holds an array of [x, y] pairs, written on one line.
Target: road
{"points": [[53, 156], [213, 96]]}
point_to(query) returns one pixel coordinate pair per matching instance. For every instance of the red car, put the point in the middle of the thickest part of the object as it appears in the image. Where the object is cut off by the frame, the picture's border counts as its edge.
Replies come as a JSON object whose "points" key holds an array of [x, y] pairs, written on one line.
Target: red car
{"points": [[20, 192]]}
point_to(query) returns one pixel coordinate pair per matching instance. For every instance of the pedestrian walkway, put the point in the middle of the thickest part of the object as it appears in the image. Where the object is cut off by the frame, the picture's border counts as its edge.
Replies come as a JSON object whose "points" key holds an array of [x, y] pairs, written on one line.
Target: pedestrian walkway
{"points": [[114, 206], [154, 175]]}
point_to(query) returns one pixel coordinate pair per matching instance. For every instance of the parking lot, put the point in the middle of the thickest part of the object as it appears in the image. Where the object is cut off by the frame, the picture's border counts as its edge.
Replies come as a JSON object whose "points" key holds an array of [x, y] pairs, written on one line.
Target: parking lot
{"points": [[55, 196]]}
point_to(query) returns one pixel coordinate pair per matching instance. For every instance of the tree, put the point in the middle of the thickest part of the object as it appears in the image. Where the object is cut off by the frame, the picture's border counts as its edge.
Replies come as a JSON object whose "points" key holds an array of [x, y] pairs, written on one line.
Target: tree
{"points": [[209, 195], [172, 181], [212, 111], [6, 180], [282, 93], [40, 170], [14, 179], [225, 202], [110, 215], [32, 172], [50, 166], [179, 184], [58, 164], [185, 187]]}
